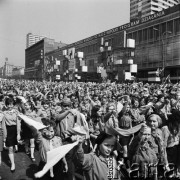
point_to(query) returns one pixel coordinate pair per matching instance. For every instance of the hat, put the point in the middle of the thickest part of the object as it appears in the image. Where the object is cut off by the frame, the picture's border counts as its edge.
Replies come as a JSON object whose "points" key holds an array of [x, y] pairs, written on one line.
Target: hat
{"points": [[66, 101]]}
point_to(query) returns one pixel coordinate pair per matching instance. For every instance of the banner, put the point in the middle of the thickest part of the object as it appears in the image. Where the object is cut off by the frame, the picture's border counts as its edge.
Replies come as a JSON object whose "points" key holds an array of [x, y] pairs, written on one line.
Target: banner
{"points": [[123, 132], [55, 156], [31, 122]]}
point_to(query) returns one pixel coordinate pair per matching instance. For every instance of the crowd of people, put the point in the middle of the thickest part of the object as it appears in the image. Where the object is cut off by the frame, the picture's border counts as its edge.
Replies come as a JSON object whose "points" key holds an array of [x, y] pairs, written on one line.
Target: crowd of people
{"points": [[132, 129]]}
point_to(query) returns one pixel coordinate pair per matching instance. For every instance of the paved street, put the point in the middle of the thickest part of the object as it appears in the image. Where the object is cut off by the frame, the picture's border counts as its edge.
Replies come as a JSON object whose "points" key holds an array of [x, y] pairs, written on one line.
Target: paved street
{"points": [[25, 168]]}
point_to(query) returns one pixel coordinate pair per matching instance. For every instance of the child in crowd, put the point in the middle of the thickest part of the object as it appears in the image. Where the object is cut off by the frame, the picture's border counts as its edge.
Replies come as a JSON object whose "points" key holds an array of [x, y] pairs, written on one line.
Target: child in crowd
{"points": [[101, 165], [47, 141]]}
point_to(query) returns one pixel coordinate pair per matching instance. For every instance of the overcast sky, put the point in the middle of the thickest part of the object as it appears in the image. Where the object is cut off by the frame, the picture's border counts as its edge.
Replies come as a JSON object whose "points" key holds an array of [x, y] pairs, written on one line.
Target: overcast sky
{"points": [[63, 20]]}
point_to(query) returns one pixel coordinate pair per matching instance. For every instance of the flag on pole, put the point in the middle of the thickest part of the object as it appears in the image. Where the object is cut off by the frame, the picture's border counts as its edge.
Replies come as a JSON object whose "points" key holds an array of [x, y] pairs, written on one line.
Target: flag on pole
{"points": [[54, 156]]}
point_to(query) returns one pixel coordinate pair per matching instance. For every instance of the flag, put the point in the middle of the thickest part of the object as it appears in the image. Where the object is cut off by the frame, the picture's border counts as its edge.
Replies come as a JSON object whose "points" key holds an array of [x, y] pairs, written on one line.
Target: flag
{"points": [[167, 80], [54, 156], [31, 122], [161, 71], [122, 132]]}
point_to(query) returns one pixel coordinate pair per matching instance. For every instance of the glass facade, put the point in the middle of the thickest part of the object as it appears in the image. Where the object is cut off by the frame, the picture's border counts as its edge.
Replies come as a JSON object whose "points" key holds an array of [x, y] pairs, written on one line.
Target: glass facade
{"points": [[158, 45]]}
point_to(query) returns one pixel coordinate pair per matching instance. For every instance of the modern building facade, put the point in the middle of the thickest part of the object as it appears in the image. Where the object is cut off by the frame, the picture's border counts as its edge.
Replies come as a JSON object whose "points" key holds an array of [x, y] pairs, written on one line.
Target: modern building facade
{"points": [[32, 39], [142, 8], [35, 65], [111, 54], [157, 44]]}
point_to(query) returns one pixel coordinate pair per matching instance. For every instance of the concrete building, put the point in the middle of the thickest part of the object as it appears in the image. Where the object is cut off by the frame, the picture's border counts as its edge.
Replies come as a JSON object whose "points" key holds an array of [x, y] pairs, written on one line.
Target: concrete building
{"points": [[142, 8], [7, 69], [157, 44], [35, 64], [18, 73], [32, 39]]}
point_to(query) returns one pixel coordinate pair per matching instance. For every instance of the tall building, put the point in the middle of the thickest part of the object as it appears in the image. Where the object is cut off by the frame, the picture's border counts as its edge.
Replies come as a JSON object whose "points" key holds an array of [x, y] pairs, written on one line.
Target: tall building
{"points": [[35, 63], [32, 39], [142, 8]]}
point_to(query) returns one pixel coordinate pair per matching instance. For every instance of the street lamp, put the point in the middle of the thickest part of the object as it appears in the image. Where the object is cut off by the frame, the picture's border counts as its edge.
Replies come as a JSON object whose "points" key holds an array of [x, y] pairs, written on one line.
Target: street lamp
{"points": [[163, 49]]}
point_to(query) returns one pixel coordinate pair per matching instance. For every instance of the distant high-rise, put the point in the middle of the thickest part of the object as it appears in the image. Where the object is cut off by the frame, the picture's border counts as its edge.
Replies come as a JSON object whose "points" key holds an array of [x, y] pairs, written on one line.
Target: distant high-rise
{"points": [[32, 39], [142, 8]]}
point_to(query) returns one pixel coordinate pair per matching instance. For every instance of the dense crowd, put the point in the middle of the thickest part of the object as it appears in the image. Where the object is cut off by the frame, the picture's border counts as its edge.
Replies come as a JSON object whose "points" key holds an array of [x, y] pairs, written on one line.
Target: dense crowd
{"points": [[132, 130]]}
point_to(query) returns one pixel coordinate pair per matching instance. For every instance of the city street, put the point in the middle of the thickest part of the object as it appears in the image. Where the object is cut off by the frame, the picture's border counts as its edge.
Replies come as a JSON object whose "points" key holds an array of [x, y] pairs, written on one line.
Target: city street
{"points": [[25, 168]]}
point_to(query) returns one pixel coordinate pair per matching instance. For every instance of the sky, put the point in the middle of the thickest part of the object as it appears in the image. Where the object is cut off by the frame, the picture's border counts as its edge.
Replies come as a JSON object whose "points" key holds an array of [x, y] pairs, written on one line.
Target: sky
{"points": [[67, 21]]}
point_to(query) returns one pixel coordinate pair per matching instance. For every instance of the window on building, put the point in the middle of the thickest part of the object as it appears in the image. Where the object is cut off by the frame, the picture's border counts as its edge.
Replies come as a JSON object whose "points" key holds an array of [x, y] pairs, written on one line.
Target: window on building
{"points": [[91, 62], [156, 30], [135, 36], [129, 36], [164, 29], [140, 36], [145, 35], [170, 26], [177, 26], [150, 33]]}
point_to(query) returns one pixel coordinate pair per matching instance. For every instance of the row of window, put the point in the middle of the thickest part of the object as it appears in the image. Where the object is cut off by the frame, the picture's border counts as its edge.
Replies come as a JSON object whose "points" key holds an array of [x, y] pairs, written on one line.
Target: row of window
{"points": [[156, 32]]}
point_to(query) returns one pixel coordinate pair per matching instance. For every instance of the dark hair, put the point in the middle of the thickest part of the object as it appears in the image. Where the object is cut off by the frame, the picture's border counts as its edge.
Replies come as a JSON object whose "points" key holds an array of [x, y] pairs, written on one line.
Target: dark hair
{"points": [[9, 101], [101, 137], [45, 102], [134, 99], [94, 111], [1, 97], [173, 122], [48, 122]]}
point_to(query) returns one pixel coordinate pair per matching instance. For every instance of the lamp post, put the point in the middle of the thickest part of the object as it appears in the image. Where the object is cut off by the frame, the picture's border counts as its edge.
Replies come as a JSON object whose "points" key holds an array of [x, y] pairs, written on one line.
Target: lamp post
{"points": [[163, 49]]}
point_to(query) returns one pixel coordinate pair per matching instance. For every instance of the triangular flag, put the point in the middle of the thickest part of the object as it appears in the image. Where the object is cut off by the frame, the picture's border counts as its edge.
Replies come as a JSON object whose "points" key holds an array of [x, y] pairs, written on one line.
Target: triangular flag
{"points": [[31, 122], [55, 156], [122, 132]]}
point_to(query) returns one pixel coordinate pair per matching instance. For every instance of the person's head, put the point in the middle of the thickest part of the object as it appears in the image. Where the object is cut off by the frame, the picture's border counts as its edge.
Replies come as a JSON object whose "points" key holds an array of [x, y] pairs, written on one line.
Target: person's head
{"points": [[56, 95], [75, 104], [96, 111], [105, 144], [174, 122], [9, 102], [66, 104], [135, 102], [104, 100], [61, 96], [45, 104], [111, 107], [161, 98], [95, 97], [154, 121], [178, 95], [50, 97], [145, 133], [127, 107], [27, 105], [48, 132], [149, 111]]}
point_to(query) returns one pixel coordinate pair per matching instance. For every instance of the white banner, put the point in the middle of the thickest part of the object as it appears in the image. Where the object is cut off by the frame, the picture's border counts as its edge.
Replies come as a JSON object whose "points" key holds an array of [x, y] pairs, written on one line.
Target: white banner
{"points": [[54, 156], [31, 122]]}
